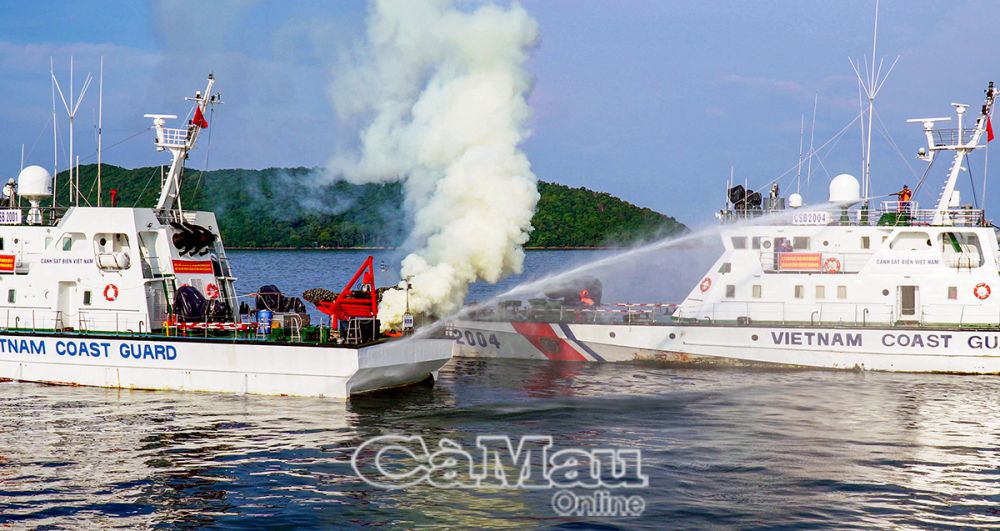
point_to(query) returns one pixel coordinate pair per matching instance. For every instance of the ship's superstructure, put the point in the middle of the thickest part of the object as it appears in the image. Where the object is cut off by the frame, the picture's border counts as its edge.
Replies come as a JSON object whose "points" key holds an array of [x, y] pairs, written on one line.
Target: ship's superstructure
{"points": [[845, 264], [111, 269]]}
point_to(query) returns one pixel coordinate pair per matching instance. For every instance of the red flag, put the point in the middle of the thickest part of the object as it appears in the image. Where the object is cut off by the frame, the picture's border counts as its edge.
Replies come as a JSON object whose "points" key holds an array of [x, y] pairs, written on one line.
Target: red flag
{"points": [[200, 121], [989, 129]]}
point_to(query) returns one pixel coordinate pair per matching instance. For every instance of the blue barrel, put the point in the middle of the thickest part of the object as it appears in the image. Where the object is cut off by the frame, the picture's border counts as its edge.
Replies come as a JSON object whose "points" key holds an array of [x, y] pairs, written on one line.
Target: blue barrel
{"points": [[264, 321]]}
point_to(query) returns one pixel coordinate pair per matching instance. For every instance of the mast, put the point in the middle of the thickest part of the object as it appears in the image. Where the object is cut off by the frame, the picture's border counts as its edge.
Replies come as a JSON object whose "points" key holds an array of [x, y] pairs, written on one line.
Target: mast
{"points": [[798, 173], [867, 186], [55, 137], [100, 129], [812, 137], [870, 83], [179, 142], [71, 111], [961, 141]]}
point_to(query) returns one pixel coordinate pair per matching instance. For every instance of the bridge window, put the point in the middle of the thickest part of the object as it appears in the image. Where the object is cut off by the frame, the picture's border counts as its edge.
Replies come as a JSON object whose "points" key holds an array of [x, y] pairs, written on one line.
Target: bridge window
{"points": [[730, 291], [754, 243], [910, 241], [820, 292], [11, 296], [757, 291], [842, 292], [800, 242], [866, 242], [800, 292], [739, 242], [726, 268], [69, 239], [952, 293], [86, 298]]}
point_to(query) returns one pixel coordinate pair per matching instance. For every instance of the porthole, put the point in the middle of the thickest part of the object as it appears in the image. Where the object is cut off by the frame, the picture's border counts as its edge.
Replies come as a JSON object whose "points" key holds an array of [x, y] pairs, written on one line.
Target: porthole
{"points": [[673, 335], [754, 337], [825, 243], [612, 334], [885, 292], [767, 244]]}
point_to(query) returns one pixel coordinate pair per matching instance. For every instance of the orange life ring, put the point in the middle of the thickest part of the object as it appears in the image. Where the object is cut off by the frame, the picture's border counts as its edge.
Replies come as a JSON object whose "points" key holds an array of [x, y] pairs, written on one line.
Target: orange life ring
{"points": [[705, 285], [831, 265], [212, 291], [982, 291], [111, 292]]}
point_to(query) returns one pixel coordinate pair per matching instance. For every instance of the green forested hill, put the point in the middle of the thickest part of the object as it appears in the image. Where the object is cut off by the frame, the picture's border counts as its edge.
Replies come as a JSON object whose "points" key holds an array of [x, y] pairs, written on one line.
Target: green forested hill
{"points": [[294, 207]]}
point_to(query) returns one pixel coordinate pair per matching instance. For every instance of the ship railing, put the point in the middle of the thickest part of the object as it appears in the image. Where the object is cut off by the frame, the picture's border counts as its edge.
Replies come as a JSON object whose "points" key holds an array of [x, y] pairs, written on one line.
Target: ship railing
{"points": [[899, 213], [175, 138], [829, 312], [841, 314], [174, 215], [546, 310], [116, 321], [951, 137], [969, 315], [741, 214]]}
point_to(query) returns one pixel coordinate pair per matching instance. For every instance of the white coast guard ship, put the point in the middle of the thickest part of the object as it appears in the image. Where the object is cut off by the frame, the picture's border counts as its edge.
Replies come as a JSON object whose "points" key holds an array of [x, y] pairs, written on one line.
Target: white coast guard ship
{"points": [[86, 298], [896, 288]]}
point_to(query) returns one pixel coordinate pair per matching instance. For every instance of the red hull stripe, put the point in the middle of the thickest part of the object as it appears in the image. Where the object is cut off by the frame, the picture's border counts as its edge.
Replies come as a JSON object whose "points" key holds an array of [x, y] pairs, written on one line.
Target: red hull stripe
{"points": [[544, 338]]}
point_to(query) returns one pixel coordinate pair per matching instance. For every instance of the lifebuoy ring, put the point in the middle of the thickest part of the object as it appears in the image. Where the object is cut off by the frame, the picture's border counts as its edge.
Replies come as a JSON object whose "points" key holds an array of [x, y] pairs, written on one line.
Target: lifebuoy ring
{"points": [[705, 285], [111, 292], [212, 291], [982, 291], [831, 265]]}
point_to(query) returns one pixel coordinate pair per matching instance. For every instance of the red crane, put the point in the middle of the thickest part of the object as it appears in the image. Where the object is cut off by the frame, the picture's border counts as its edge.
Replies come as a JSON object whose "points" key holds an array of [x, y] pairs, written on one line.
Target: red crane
{"points": [[361, 302]]}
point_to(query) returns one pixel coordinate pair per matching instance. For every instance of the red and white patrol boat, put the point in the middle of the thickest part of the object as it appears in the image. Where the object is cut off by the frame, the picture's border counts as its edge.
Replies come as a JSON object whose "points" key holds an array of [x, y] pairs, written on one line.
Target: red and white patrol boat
{"points": [[144, 298], [896, 287]]}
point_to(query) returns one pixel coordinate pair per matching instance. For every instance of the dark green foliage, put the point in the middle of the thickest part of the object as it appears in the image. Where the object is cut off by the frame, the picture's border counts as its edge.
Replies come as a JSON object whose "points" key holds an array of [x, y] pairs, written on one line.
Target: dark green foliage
{"points": [[298, 207], [578, 217]]}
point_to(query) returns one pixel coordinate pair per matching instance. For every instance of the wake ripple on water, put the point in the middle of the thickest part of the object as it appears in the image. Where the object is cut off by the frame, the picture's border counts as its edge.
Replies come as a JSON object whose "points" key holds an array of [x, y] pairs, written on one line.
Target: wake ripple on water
{"points": [[722, 447]]}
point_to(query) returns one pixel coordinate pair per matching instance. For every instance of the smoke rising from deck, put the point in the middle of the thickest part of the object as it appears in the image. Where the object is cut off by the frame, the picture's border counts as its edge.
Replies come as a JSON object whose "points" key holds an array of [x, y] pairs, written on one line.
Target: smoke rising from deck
{"points": [[440, 94]]}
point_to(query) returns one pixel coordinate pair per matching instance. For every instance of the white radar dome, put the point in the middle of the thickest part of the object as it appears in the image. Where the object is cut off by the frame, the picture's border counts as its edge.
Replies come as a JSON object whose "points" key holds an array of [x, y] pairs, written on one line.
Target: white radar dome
{"points": [[845, 189], [795, 201], [34, 182]]}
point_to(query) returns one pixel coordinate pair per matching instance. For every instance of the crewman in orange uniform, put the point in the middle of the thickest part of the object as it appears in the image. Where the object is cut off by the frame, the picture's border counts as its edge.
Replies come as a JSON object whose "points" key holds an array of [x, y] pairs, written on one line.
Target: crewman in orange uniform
{"points": [[904, 198]]}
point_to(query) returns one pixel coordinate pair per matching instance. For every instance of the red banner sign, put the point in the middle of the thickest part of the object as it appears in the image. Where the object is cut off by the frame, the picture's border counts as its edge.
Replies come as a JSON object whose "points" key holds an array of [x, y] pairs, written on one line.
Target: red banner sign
{"points": [[800, 261], [193, 267], [7, 263]]}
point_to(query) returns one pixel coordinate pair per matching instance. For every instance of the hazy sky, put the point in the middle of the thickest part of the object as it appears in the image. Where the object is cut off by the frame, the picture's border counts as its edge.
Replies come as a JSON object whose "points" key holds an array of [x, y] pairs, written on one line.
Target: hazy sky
{"points": [[650, 100]]}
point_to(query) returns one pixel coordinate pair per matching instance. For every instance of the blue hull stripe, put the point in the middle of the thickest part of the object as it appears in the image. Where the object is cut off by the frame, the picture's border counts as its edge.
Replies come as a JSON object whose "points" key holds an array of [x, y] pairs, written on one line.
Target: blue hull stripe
{"points": [[581, 344]]}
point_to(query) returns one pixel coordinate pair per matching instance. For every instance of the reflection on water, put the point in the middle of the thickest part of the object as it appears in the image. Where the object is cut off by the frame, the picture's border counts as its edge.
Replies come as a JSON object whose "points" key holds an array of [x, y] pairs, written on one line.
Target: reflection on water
{"points": [[722, 447]]}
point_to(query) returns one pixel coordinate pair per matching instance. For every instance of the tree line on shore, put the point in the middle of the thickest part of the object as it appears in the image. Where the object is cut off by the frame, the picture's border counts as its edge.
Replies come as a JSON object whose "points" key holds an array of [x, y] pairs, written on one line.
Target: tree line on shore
{"points": [[298, 208]]}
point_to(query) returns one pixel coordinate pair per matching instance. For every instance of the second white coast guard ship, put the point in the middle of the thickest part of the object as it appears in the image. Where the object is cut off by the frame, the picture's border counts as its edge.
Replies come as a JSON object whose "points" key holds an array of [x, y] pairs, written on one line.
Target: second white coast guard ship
{"points": [[897, 287]]}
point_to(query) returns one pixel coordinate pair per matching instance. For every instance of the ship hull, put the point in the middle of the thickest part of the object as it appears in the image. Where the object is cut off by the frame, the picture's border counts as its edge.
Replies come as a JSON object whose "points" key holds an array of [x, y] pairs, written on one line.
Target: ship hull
{"points": [[899, 349], [222, 366]]}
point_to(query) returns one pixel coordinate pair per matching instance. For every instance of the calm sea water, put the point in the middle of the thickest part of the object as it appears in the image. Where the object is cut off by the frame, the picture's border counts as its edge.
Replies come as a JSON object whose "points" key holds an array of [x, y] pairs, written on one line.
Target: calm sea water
{"points": [[721, 447]]}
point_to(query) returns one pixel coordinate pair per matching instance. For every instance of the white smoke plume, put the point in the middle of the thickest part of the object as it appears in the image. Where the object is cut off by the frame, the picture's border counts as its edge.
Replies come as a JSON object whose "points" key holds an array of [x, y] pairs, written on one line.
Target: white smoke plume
{"points": [[441, 91]]}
